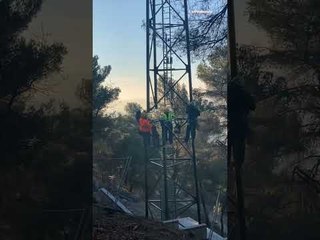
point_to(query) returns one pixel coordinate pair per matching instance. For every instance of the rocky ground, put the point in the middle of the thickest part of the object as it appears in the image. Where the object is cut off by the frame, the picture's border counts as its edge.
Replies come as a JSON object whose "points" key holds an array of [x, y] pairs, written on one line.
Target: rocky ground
{"points": [[113, 225]]}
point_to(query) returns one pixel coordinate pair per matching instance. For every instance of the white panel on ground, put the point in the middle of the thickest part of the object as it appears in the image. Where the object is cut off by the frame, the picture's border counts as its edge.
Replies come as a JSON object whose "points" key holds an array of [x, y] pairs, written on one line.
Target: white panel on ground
{"points": [[116, 201], [187, 223], [211, 235]]}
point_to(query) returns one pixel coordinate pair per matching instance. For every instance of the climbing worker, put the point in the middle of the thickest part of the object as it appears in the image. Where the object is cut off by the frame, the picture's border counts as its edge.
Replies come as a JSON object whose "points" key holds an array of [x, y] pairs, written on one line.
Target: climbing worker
{"points": [[155, 136], [192, 115], [145, 128], [154, 118], [156, 114], [166, 123], [138, 115]]}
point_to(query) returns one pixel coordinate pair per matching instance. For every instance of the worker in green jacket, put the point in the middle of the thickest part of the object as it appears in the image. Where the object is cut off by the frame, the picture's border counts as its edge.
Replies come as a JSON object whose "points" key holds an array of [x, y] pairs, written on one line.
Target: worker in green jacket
{"points": [[166, 120]]}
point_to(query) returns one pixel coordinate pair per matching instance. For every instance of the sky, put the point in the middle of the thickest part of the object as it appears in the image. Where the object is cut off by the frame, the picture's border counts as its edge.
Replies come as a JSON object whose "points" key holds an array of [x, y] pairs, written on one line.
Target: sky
{"points": [[119, 40]]}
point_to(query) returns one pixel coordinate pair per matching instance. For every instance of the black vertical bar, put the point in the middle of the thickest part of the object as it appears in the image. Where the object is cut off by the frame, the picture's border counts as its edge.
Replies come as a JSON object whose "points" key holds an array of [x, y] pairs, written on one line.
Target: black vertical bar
{"points": [[242, 223], [147, 52], [186, 25], [194, 161], [234, 72], [155, 72]]}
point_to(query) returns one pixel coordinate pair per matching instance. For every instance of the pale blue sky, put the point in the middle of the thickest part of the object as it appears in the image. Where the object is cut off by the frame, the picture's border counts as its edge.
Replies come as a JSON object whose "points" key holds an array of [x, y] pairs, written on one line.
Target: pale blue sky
{"points": [[119, 41]]}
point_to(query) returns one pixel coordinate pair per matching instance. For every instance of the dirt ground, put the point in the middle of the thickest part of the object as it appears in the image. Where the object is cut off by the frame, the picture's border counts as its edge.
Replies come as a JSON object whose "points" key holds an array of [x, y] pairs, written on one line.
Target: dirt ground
{"points": [[111, 225]]}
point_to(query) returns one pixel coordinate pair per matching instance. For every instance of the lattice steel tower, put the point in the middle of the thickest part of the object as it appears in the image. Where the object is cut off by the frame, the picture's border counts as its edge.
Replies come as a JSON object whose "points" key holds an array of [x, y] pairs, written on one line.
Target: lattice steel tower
{"points": [[171, 172]]}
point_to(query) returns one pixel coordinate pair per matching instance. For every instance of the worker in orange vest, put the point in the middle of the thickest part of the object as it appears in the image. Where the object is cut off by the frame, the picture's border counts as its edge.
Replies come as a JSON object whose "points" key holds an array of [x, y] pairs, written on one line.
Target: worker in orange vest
{"points": [[145, 128]]}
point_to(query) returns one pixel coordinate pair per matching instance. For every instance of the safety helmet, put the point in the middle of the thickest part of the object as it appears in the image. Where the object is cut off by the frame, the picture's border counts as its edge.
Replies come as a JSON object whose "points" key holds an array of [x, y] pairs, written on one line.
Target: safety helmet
{"points": [[168, 108], [144, 114]]}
